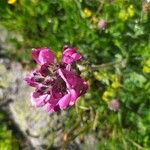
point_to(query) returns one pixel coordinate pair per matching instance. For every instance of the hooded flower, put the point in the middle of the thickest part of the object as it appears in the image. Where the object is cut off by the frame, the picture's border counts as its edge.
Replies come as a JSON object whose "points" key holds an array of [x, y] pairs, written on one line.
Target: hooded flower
{"points": [[43, 55], [70, 55], [56, 86]]}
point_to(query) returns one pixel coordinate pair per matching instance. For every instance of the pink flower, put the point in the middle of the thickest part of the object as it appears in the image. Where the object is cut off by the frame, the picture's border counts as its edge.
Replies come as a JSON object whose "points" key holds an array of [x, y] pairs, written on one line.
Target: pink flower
{"points": [[102, 24], [56, 86], [43, 55], [114, 105], [70, 55]]}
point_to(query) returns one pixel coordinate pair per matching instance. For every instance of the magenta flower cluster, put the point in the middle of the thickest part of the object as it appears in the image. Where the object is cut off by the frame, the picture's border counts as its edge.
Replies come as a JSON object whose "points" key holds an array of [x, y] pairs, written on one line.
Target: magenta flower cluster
{"points": [[56, 85]]}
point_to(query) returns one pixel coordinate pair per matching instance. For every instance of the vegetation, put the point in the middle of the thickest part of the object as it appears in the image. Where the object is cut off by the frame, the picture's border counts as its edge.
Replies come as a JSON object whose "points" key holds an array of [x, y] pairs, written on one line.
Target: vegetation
{"points": [[116, 61], [7, 140]]}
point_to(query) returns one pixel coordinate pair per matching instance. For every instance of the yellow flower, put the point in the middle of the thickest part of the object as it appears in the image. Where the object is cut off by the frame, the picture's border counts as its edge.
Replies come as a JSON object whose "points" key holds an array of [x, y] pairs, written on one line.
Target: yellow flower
{"points": [[87, 12], [97, 76], [94, 20], [114, 77], [148, 62], [115, 85], [146, 69], [58, 54], [11, 1], [107, 95], [123, 15], [131, 11], [115, 81]]}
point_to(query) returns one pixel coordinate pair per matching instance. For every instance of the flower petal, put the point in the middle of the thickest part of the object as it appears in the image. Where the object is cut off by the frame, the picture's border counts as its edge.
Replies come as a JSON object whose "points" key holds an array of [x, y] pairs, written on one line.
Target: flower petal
{"points": [[84, 87], [63, 77], [43, 55], [64, 101], [76, 56], [69, 51], [67, 59], [50, 108], [33, 79], [38, 100], [70, 55], [29, 81], [74, 96]]}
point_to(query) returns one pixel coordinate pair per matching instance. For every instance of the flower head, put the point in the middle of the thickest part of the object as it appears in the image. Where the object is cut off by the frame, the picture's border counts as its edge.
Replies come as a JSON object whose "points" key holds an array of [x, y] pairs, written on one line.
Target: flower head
{"points": [[123, 15], [114, 105], [102, 24], [43, 55], [87, 12], [70, 55], [146, 67], [56, 85], [94, 20], [11, 1], [108, 94], [131, 11]]}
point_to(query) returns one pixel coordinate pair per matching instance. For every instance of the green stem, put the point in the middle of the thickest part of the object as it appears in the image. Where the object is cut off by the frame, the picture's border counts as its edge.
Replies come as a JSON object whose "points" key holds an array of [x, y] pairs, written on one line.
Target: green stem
{"points": [[136, 144], [95, 67], [100, 7]]}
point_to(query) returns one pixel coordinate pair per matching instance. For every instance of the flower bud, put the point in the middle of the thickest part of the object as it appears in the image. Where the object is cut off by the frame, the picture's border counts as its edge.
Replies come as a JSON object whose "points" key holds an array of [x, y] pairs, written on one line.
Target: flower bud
{"points": [[102, 24], [114, 105]]}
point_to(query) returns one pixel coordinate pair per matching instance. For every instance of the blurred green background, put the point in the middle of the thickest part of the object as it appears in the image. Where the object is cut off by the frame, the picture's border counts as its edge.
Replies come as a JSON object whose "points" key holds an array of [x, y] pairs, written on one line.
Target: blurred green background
{"points": [[116, 62]]}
